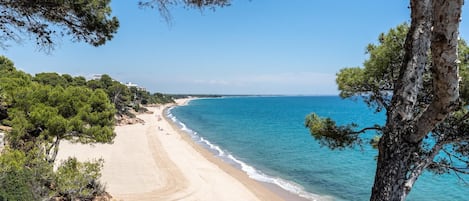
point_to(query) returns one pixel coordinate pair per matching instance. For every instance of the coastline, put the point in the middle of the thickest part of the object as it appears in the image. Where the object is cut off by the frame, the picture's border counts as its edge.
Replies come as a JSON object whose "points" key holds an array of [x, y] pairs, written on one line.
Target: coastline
{"points": [[262, 190], [158, 161]]}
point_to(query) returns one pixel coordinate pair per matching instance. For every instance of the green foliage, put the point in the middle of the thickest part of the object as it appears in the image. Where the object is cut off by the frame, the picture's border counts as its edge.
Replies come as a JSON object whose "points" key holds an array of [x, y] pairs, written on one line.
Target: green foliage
{"points": [[49, 108], [329, 134], [94, 84], [79, 181], [159, 98], [78, 81], [56, 113], [10, 80], [43, 111], [118, 93], [12, 160], [53, 79], [350, 81], [120, 96], [24, 176], [14, 185], [89, 21], [464, 71], [375, 81]]}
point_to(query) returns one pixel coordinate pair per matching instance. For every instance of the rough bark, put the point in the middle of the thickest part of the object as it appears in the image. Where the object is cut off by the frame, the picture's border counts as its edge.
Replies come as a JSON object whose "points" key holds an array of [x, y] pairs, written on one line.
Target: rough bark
{"points": [[396, 154], [400, 160], [417, 46], [446, 17], [394, 162]]}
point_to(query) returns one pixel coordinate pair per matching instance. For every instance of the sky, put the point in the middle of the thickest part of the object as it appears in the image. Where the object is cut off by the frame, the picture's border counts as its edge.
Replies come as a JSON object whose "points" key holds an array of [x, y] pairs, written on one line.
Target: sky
{"points": [[265, 47]]}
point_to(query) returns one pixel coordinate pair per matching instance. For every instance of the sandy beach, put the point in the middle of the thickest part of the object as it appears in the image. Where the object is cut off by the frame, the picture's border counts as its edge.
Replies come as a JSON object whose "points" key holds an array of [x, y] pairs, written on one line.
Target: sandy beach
{"points": [[156, 161]]}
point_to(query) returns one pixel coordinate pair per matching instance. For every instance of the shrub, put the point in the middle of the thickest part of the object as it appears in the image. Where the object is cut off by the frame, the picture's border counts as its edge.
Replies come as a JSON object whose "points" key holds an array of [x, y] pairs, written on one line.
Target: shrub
{"points": [[77, 180]]}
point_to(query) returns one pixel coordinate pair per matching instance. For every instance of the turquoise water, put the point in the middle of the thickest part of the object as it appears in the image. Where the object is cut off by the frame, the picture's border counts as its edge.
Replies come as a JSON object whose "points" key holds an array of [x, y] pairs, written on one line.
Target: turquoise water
{"points": [[265, 136]]}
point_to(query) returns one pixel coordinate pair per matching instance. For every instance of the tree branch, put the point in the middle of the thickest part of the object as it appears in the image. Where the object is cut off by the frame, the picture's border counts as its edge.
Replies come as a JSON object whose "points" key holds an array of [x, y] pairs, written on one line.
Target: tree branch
{"points": [[424, 163], [55, 147], [451, 155], [446, 18], [413, 66], [376, 128]]}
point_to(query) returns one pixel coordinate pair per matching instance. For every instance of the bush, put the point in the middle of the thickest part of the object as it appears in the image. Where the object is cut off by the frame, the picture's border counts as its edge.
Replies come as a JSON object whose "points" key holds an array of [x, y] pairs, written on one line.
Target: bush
{"points": [[26, 177], [15, 185], [15, 179], [76, 180]]}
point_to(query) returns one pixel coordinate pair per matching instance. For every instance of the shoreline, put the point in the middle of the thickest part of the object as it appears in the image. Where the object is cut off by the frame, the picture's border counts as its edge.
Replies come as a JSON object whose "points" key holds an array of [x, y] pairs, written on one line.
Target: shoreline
{"points": [[262, 190], [156, 160], [227, 166]]}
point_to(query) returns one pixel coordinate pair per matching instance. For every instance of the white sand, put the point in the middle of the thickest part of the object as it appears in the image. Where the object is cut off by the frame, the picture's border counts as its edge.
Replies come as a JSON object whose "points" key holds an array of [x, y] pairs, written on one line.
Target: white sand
{"points": [[148, 163]]}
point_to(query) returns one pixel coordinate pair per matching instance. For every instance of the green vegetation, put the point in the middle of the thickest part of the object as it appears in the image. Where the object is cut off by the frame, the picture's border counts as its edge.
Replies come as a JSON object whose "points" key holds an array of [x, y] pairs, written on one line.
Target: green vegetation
{"points": [[443, 150], [26, 176], [43, 111], [46, 109], [126, 98], [89, 21], [77, 180]]}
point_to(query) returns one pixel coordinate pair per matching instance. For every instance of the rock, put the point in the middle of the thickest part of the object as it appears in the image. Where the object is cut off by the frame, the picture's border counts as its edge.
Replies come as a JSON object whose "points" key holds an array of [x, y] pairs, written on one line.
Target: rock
{"points": [[105, 197], [126, 120]]}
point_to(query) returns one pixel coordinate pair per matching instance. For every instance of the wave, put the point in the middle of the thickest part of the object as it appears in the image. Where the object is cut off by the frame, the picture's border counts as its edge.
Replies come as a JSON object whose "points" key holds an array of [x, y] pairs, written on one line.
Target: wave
{"points": [[252, 172]]}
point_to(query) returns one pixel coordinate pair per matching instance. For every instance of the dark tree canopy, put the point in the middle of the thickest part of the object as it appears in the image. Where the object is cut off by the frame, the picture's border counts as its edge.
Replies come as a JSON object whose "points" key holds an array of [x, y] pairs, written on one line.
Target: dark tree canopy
{"points": [[89, 21]]}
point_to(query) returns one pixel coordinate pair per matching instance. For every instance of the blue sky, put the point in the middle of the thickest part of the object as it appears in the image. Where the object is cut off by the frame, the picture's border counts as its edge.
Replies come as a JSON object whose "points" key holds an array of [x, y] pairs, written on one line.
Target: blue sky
{"points": [[251, 47]]}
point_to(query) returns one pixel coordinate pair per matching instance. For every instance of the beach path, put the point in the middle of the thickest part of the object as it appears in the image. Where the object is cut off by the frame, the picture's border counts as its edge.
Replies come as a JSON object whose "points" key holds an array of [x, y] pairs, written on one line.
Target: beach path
{"points": [[155, 161]]}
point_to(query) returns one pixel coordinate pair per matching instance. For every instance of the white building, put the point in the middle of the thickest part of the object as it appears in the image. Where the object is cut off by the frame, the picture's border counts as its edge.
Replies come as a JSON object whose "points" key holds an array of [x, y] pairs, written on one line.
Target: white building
{"points": [[130, 84], [96, 76]]}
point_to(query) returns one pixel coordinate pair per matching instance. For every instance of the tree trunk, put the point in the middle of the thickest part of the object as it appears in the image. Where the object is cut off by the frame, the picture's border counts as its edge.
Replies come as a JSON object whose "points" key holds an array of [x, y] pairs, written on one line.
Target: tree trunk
{"points": [[397, 155], [53, 150], [410, 80], [444, 48], [399, 163], [395, 159]]}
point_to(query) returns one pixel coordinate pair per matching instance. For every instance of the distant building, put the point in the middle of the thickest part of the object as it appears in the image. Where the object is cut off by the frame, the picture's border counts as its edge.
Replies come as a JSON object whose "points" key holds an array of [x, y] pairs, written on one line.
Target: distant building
{"points": [[130, 84], [96, 76]]}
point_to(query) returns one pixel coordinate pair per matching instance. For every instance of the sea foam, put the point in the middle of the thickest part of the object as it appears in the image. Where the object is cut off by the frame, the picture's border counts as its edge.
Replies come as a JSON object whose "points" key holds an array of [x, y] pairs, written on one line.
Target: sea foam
{"points": [[252, 172]]}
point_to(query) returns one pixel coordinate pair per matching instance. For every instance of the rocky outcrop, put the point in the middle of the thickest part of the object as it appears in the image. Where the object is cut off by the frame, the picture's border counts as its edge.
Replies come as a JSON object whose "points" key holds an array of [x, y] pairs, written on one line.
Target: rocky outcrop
{"points": [[126, 120]]}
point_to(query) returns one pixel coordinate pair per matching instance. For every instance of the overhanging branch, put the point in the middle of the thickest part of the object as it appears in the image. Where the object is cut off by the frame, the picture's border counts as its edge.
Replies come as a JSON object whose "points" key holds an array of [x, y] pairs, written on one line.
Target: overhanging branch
{"points": [[376, 128]]}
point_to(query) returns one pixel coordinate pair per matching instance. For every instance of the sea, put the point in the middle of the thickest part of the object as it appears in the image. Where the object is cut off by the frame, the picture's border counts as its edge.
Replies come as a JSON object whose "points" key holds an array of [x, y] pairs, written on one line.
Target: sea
{"points": [[266, 138]]}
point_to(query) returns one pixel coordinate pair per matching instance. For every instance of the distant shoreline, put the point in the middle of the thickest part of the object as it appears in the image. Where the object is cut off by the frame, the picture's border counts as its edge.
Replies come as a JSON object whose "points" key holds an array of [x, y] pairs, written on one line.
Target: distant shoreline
{"points": [[195, 96], [229, 168]]}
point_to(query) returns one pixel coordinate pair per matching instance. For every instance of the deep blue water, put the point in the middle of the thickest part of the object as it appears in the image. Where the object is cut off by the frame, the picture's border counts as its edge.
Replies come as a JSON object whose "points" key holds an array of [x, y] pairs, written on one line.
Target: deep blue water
{"points": [[266, 137]]}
